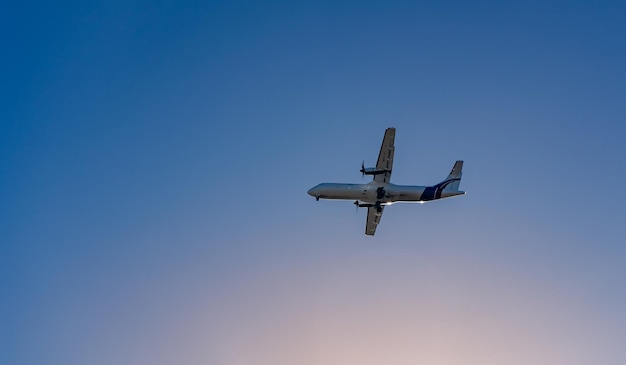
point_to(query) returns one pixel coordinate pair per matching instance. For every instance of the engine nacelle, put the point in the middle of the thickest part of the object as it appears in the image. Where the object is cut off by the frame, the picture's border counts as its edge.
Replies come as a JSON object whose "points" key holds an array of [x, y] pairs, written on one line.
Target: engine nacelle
{"points": [[368, 205], [363, 205], [372, 170]]}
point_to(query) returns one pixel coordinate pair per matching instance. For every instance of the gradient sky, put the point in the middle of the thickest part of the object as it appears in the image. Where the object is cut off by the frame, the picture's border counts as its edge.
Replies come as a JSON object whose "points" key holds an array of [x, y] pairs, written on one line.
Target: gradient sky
{"points": [[155, 158]]}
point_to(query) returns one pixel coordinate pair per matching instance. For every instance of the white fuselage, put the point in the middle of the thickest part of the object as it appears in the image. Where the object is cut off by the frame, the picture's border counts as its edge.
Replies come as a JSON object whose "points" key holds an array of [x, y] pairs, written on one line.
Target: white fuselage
{"points": [[382, 193]]}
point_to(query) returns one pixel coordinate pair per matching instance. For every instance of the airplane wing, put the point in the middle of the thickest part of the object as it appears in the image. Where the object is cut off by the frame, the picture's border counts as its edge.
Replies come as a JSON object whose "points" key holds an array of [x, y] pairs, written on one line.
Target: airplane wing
{"points": [[385, 157], [373, 218]]}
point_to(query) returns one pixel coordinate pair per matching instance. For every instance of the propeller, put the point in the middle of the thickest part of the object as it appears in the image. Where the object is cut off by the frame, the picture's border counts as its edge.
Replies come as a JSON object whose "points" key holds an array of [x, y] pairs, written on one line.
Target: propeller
{"points": [[363, 170], [356, 203]]}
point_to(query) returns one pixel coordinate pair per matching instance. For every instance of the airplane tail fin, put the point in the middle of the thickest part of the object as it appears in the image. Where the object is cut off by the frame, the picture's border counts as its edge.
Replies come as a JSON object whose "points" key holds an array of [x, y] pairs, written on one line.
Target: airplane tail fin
{"points": [[451, 183]]}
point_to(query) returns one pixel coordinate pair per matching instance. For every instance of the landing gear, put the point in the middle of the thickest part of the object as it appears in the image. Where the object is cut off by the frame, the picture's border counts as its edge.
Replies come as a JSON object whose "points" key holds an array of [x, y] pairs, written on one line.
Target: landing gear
{"points": [[317, 198]]}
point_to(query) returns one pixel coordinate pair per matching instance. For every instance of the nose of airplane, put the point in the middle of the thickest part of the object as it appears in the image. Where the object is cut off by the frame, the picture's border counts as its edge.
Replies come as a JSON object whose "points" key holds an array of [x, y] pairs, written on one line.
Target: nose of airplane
{"points": [[315, 191]]}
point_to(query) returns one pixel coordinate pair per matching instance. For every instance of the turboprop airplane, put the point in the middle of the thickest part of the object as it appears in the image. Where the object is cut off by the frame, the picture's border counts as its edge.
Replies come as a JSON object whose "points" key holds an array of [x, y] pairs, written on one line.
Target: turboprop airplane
{"points": [[378, 193]]}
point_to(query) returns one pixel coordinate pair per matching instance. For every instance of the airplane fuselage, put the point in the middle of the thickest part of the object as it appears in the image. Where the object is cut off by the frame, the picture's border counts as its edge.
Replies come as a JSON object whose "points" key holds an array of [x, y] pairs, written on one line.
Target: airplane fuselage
{"points": [[383, 194]]}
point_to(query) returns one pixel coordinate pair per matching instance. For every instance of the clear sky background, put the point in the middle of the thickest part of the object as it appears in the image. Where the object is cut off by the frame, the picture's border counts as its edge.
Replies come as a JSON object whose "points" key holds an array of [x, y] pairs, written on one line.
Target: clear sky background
{"points": [[155, 158]]}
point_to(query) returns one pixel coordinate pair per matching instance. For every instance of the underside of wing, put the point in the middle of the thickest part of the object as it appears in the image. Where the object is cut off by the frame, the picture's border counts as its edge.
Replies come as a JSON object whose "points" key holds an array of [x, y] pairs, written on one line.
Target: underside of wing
{"points": [[373, 218], [385, 156]]}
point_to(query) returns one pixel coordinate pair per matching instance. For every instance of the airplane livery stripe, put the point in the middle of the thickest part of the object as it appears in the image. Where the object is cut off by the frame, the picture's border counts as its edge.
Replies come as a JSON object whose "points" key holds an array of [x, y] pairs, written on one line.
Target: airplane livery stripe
{"points": [[434, 192]]}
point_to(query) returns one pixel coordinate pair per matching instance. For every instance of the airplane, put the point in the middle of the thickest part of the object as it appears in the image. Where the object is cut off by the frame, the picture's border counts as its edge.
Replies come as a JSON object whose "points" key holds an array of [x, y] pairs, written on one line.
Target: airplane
{"points": [[379, 193]]}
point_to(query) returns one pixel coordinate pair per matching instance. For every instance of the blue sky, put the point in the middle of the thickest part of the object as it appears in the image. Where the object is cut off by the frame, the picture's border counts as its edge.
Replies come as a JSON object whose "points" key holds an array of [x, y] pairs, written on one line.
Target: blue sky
{"points": [[155, 159]]}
